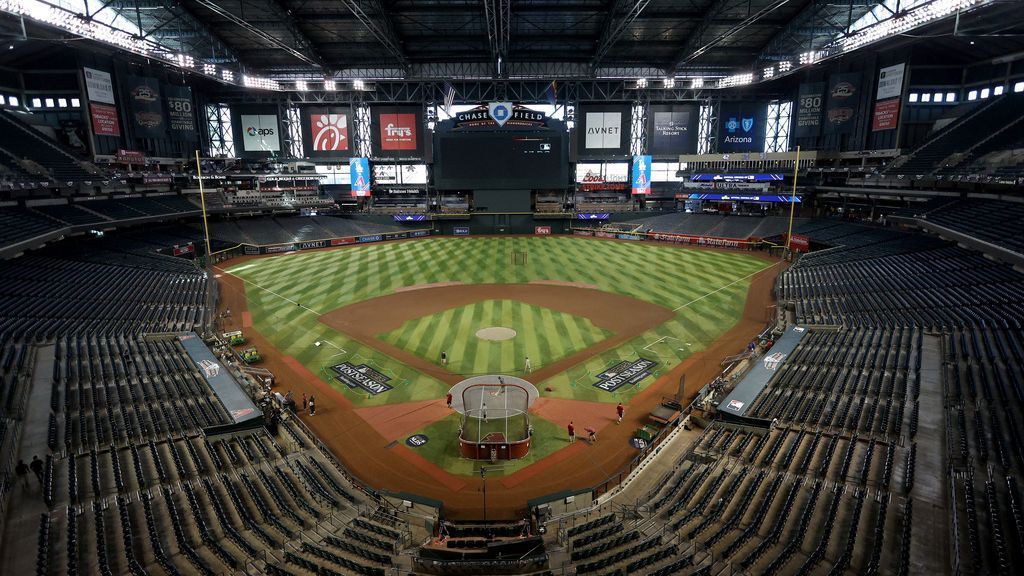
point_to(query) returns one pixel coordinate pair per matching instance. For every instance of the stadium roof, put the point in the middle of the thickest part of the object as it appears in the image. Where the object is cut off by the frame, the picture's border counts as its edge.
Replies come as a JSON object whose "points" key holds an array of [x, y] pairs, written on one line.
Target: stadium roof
{"points": [[261, 41]]}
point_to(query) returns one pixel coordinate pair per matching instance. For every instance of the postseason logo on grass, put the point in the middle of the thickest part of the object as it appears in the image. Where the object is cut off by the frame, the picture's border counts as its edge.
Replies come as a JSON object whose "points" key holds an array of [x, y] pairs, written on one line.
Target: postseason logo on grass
{"points": [[624, 373], [362, 376]]}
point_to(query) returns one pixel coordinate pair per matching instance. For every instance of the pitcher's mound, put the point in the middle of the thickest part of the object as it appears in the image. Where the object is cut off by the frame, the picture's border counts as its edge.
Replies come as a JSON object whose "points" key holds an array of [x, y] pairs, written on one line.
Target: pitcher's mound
{"points": [[496, 333]]}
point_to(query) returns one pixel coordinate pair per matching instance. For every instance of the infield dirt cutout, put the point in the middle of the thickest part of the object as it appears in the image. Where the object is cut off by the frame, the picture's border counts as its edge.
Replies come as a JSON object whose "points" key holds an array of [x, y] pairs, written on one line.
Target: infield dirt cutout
{"points": [[625, 317]]}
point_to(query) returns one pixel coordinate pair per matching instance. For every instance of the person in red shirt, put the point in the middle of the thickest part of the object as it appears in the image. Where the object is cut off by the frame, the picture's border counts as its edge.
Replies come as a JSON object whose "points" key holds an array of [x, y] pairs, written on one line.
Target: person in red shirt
{"points": [[448, 399], [572, 432], [620, 410]]}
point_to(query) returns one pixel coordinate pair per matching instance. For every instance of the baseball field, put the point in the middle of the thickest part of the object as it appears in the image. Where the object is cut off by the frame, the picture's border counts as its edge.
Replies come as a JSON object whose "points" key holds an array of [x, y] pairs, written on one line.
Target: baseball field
{"points": [[364, 328]]}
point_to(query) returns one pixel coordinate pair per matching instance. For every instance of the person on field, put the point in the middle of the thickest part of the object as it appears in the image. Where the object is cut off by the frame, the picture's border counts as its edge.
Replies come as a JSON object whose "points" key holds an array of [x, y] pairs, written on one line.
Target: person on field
{"points": [[572, 432], [312, 405], [305, 402], [620, 410], [444, 358], [591, 434], [529, 367], [448, 400]]}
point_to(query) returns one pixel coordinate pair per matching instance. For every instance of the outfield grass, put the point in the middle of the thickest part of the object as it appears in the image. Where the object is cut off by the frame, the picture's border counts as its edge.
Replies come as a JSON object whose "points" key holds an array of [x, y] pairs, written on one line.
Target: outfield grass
{"points": [[443, 447], [541, 333], [707, 287]]}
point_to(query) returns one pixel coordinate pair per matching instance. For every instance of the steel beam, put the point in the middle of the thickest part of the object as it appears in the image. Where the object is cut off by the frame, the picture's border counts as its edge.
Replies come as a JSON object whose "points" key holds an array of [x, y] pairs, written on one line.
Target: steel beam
{"points": [[701, 41], [375, 19], [300, 47], [615, 25], [498, 18]]}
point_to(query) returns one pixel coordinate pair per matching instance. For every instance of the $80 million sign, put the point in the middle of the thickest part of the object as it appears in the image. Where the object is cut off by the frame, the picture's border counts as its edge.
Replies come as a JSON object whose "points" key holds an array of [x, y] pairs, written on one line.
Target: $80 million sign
{"points": [[330, 132]]}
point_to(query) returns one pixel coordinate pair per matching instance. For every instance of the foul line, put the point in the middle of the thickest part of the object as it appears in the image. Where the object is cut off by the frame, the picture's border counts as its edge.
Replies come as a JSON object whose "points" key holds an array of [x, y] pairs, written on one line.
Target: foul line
{"points": [[269, 291], [737, 281]]}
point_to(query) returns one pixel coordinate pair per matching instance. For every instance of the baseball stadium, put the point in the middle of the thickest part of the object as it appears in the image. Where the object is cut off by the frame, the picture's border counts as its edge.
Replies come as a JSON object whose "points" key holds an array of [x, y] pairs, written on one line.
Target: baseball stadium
{"points": [[532, 287]]}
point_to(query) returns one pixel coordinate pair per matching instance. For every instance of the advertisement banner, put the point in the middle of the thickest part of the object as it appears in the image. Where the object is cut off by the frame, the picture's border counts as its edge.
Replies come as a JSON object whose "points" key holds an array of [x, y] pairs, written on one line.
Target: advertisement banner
{"points": [[843, 103], [809, 103], [328, 132], [604, 130], [104, 120], [260, 133], [461, 230], [592, 216], [890, 82], [181, 120], [409, 217], [624, 373], [359, 175], [771, 177], [343, 241], [886, 116], [98, 86], [641, 175], [742, 198], [712, 241], [144, 105], [741, 126], [398, 132], [542, 230], [669, 129], [130, 156], [799, 243]]}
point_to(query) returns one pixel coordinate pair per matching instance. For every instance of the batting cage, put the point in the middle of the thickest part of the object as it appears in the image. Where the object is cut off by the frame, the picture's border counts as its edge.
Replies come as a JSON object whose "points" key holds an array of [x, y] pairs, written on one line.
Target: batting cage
{"points": [[495, 421]]}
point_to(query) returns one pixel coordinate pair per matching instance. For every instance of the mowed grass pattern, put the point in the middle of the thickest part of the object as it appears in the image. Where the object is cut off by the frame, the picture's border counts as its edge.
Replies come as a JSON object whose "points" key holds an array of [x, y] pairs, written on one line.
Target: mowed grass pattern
{"points": [[540, 333], [287, 293]]}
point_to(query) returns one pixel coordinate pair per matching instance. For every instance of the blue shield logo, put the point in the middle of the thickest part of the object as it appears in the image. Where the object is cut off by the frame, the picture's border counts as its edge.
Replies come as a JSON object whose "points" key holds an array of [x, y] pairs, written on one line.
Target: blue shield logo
{"points": [[500, 112], [748, 123], [732, 125]]}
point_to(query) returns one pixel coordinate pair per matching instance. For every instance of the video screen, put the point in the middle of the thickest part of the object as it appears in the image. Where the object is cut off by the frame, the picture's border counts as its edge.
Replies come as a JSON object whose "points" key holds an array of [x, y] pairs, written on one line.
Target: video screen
{"points": [[501, 161]]}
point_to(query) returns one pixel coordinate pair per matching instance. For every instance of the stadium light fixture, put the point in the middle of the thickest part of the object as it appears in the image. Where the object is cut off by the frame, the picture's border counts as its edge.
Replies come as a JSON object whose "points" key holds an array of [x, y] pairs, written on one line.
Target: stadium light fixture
{"points": [[697, 83], [227, 75], [1018, 87], [210, 69], [641, 83], [359, 85], [670, 83], [768, 72], [785, 66], [329, 85], [301, 85], [736, 80]]}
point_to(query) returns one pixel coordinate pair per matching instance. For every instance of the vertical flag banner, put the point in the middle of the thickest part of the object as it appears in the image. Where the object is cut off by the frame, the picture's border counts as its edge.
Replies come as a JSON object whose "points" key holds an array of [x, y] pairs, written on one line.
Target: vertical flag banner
{"points": [[641, 174], [181, 121], [809, 104], [890, 82], [887, 115], [144, 103], [104, 120], [329, 131], [669, 129], [551, 94], [843, 102], [359, 174], [98, 86]]}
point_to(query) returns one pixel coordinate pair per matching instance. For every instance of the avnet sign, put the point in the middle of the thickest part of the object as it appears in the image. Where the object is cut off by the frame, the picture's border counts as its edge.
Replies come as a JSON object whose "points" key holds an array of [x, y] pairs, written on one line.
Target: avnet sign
{"points": [[363, 377], [624, 373]]}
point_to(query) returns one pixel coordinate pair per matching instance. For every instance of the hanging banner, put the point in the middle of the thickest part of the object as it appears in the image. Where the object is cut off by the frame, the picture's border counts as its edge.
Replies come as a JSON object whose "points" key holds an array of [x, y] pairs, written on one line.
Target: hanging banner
{"points": [[741, 126], [809, 104], [843, 103], [260, 133], [886, 116], [146, 113], [98, 86], [359, 174], [327, 132], [397, 131], [104, 120], [604, 129], [641, 175], [181, 121], [671, 129], [890, 82]]}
